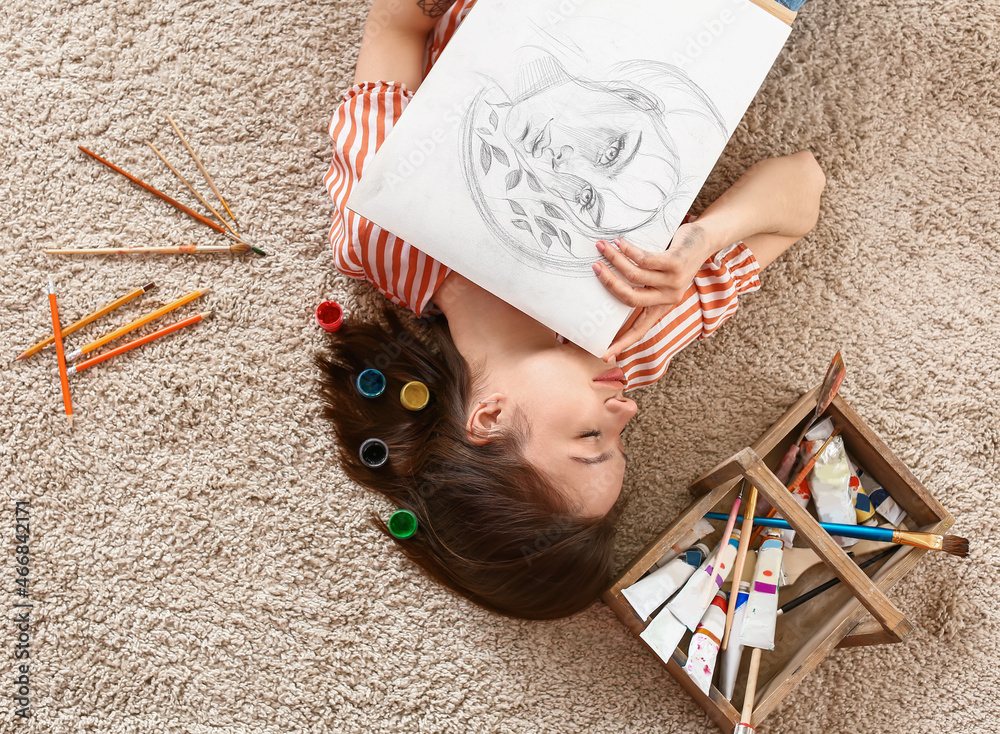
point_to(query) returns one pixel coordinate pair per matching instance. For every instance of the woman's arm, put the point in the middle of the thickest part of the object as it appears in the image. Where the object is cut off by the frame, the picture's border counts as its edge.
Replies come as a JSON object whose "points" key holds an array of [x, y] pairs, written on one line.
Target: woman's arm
{"points": [[392, 47], [772, 205]]}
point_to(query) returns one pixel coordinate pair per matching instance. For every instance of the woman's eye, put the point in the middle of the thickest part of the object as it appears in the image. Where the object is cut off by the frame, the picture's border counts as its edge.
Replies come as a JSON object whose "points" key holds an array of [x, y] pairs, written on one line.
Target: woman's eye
{"points": [[591, 434], [585, 197], [611, 153]]}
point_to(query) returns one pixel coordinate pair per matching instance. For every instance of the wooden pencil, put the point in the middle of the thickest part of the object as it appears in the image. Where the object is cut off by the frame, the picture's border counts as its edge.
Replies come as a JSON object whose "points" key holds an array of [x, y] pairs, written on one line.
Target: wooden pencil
{"points": [[204, 171], [190, 188], [60, 354], [89, 318], [141, 321], [75, 369]]}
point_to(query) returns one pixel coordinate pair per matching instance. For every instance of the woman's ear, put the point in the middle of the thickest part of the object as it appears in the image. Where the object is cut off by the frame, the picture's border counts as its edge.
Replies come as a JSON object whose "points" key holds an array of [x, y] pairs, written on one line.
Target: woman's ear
{"points": [[484, 419]]}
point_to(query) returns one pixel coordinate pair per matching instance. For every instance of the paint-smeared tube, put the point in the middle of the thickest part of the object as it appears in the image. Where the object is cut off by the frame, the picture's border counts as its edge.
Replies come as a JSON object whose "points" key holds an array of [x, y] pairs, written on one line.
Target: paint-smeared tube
{"points": [[884, 504], [649, 592], [762, 604], [701, 528], [704, 648], [863, 507], [664, 634], [830, 484], [690, 603], [729, 665]]}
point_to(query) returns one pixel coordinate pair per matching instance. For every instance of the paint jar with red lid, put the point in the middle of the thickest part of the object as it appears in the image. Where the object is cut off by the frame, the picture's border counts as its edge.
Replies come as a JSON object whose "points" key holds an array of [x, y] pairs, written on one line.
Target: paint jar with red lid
{"points": [[329, 315]]}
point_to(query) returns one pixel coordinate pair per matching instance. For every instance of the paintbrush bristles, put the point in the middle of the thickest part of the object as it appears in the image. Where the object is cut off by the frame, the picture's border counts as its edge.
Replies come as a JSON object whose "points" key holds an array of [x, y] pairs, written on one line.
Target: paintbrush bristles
{"points": [[955, 546], [951, 544]]}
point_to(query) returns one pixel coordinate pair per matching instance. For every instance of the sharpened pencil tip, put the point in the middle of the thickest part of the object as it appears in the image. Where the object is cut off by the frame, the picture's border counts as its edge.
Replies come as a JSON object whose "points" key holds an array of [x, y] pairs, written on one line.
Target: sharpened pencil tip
{"points": [[70, 416]]}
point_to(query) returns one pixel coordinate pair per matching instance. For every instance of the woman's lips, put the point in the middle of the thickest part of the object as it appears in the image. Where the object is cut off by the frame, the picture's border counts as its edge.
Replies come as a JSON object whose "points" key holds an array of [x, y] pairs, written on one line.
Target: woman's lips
{"points": [[614, 375]]}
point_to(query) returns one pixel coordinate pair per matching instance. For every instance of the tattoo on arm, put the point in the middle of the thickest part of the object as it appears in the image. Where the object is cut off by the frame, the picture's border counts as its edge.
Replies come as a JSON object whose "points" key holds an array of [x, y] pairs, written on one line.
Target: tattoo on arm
{"points": [[434, 8]]}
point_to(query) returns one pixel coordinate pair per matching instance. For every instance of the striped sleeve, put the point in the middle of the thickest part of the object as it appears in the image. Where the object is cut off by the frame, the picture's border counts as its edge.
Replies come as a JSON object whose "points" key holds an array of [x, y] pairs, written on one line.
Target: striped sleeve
{"points": [[709, 301], [444, 29], [361, 248]]}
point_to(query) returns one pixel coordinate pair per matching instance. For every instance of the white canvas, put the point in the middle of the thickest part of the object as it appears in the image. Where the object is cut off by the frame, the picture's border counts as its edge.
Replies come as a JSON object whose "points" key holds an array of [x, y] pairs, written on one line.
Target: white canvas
{"points": [[547, 125]]}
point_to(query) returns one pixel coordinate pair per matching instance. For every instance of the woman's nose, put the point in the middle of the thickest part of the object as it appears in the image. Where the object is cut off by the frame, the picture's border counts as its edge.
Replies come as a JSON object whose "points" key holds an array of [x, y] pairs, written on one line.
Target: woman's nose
{"points": [[623, 409], [562, 157]]}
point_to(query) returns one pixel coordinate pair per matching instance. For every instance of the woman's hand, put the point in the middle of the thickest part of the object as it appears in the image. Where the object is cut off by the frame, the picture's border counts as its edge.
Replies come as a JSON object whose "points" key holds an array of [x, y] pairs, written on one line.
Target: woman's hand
{"points": [[660, 279], [773, 204]]}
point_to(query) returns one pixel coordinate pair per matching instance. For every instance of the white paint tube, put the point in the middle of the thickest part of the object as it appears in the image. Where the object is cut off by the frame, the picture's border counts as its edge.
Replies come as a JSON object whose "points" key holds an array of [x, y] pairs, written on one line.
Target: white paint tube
{"points": [[863, 507], [802, 498], [704, 648], [690, 603], [803, 493], [884, 504], [649, 592], [762, 604], [663, 634], [701, 528], [730, 664], [830, 486]]}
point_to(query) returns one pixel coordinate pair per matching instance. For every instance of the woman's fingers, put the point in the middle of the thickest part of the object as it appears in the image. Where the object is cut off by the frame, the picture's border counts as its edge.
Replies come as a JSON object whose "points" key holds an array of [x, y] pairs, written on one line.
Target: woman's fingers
{"points": [[625, 265], [623, 291]]}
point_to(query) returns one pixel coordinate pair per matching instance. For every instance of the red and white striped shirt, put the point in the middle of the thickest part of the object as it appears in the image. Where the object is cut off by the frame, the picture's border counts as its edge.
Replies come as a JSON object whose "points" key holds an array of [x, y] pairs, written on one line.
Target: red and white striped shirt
{"points": [[409, 278]]}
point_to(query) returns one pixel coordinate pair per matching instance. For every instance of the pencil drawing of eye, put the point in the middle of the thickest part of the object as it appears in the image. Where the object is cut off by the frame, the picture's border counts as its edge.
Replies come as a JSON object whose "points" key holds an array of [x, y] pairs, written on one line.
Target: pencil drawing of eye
{"points": [[591, 158]]}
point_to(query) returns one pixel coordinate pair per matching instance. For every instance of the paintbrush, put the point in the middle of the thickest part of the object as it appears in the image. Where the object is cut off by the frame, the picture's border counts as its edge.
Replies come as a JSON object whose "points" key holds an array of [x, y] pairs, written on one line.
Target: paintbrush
{"points": [[159, 194], [744, 726], [204, 171], [190, 188], [731, 608], [951, 544], [741, 552], [813, 593], [238, 248], [835, 374]]}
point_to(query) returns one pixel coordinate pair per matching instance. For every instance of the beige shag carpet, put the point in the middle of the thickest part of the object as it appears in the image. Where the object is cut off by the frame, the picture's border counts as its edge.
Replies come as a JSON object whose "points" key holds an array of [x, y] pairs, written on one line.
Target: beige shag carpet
{"points": [[199, 564]]}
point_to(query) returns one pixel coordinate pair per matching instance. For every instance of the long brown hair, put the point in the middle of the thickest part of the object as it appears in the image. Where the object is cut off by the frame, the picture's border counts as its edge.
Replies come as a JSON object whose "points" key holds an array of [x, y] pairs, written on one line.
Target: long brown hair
{"points": [[491, 527]]}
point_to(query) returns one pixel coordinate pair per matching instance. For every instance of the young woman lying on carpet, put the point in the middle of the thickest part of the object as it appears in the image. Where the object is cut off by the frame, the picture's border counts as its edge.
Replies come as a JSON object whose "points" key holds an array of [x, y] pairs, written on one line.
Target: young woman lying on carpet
{"points": [[514, 471]]}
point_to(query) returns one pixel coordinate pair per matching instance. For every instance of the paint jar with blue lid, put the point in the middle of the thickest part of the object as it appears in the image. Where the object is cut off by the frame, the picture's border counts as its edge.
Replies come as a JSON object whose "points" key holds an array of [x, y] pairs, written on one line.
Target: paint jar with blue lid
{"points": [[370, 383]]}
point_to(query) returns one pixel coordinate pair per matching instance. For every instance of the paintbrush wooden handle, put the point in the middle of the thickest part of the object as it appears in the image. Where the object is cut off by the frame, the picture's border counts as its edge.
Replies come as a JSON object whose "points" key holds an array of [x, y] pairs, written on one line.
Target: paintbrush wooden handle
{"points": [[741, 558], [751, 689], [174, 203]]}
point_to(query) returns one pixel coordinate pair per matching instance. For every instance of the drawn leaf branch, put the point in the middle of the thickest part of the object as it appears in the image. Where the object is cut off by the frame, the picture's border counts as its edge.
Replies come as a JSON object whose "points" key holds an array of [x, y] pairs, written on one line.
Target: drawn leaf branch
{"points": [[516, 208], [513, 178], [485, 157]]}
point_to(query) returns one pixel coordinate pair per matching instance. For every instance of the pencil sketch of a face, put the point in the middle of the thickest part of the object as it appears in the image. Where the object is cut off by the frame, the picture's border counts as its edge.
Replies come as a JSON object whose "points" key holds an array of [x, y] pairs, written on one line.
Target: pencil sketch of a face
{"points": [[561, 161]]}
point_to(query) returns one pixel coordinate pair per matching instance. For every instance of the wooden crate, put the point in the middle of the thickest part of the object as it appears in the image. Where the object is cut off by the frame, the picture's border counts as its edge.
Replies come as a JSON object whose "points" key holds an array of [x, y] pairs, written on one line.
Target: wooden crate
{"points": [[856, 612]]}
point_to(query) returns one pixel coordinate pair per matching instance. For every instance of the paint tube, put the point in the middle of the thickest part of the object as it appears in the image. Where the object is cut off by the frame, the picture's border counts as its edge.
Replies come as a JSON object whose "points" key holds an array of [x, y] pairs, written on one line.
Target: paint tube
{"points": [[762, 604], [663, 634], [730, 663], [863, 507], [649, 592], [701, 528], [690, 603], [830, 485], [704, 648], [884, 504]]}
